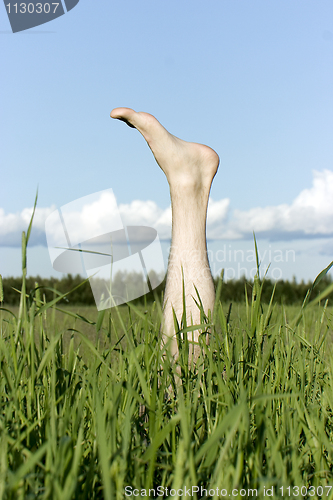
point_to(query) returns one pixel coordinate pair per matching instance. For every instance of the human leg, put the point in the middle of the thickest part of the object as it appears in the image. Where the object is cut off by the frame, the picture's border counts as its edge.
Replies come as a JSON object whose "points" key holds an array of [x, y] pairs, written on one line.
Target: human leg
{"points": [[190, 169]]}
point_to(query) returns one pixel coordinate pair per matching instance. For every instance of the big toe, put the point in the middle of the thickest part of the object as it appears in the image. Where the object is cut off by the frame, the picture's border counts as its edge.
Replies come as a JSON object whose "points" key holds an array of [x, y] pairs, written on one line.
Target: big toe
{"points": [[126, 115]]}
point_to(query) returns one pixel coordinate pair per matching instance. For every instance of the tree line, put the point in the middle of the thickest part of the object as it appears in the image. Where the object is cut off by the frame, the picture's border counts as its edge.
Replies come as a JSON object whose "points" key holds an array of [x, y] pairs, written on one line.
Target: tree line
{"points": [[286, 292]]}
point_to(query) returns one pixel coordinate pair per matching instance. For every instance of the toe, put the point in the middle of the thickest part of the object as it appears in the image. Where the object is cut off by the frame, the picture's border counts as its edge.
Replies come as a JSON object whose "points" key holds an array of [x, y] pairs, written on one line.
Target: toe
{"points": [[124, 114]]}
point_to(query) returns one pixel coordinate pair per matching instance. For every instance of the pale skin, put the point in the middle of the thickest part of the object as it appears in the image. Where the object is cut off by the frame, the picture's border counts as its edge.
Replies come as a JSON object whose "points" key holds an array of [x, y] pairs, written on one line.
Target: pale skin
{"points": [[189, 168]]}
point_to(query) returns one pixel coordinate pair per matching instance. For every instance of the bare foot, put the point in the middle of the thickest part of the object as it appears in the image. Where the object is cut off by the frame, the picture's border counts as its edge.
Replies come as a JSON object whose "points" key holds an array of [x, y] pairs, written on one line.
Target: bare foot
{"points": [[185, 164], [190, 169]]}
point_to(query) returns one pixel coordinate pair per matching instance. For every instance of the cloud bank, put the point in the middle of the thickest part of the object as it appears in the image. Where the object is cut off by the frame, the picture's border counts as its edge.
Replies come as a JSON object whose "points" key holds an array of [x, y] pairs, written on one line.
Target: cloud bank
{"points": [[309, 216]]}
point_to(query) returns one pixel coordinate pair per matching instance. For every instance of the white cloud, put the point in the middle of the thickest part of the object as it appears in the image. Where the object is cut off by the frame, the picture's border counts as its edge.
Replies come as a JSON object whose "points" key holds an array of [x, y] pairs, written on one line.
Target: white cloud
{"points": [[12, 225], [217, 211], [310, 215], [147, 213]]}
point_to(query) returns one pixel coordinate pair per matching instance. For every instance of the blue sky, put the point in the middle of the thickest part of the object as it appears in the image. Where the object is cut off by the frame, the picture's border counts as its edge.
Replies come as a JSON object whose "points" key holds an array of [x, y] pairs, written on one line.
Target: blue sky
{"points": [[253, 80]]}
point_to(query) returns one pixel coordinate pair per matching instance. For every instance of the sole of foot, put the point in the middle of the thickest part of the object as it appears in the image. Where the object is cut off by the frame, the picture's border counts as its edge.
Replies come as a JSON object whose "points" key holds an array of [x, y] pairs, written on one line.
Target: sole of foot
{"points": [[185, 164]]}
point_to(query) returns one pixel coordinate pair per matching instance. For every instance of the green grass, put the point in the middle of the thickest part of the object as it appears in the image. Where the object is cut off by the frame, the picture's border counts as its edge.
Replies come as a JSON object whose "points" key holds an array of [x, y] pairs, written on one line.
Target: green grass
{"points": [[89, 403]]}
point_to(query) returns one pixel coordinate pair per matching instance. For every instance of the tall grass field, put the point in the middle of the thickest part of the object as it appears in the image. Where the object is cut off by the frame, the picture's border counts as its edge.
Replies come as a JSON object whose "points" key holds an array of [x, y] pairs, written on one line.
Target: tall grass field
{"points": [[92, 407]]}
